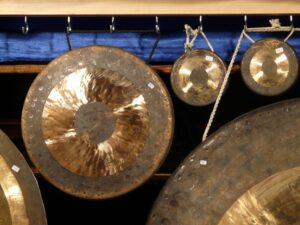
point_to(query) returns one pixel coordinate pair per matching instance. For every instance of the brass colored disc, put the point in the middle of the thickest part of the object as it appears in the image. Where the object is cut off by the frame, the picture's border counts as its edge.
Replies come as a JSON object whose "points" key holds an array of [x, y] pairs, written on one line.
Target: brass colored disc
{"points": [[238, 156], [197, 77], [270, 67], [97, 122], [274, 201], [20, 198]]}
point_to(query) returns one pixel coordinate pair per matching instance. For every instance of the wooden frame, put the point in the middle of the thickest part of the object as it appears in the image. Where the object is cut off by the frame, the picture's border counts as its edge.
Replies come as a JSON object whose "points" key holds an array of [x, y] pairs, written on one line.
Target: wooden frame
{"points": [[147, 7], [37, 68]]}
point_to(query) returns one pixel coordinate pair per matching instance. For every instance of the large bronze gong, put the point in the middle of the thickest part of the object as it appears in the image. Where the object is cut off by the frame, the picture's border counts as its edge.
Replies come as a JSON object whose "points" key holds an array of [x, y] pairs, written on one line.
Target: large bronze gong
{"points": [[230, 162], [270, 67], [97, 122], [20, 198], [274, 201]]}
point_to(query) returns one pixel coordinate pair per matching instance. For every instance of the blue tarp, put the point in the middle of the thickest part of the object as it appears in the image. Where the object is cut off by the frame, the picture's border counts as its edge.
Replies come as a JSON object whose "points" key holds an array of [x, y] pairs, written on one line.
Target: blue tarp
{"points": [[41, 45]]}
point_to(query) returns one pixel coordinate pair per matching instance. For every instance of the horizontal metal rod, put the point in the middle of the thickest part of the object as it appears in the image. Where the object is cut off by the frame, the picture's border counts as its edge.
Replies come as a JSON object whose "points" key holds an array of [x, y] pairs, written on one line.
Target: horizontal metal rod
{"points": [[108, 31]]}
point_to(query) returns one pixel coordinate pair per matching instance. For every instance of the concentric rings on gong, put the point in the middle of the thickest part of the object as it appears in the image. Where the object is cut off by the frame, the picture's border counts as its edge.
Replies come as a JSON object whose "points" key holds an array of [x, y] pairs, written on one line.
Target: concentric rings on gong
{"points": [[270, 67], [97, 122], [197, 77]]}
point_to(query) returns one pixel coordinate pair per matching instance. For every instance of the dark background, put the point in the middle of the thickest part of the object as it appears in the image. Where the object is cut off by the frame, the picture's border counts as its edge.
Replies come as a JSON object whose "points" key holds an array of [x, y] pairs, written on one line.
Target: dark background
{"points": [[132, 208]]}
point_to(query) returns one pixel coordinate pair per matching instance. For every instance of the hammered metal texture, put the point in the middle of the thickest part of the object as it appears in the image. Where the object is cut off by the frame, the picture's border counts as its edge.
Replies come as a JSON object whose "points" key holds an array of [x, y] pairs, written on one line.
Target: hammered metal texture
{"points": [[274, 201], [97, 122], [270, 67], [20, 199], [231, 161], [197, 77]]}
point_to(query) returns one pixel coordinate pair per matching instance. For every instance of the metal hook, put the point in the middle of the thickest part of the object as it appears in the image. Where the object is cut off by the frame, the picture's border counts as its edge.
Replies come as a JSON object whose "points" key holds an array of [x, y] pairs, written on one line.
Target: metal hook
{"points": [[291, 27], [25, 28], [292, 21], [200, 27], [69, 27], [245, 22], [112, 27], [157, 30], [68, 32]]}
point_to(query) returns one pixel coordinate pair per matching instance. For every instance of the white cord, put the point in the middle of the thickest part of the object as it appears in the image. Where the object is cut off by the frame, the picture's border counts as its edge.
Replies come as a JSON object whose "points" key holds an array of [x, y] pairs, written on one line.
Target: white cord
{"points": [[224, 83], [289, 35], [275, 27], [194, 32], [190, 32], [207, 41], [248, 36]]}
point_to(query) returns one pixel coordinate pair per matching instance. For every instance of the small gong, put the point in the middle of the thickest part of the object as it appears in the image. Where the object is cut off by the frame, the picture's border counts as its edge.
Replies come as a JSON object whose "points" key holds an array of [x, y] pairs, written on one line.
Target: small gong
{"points": [[270, 67], [197, 77]]}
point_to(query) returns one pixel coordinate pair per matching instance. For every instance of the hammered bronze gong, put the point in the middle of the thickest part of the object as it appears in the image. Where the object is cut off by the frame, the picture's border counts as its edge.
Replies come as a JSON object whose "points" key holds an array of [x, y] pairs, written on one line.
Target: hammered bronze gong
{"points": [[274, 201], [238, 156], [270, 67], [20, 198], [197, 77], [97, 122]]}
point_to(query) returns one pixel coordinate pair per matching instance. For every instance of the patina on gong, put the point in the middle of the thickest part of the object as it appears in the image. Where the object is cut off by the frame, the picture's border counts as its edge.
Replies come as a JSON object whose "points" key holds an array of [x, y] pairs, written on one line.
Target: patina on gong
{"points": [[20, 199], [270, 67], [274, 201], [197, 77], [97, 122], [243, 153]]}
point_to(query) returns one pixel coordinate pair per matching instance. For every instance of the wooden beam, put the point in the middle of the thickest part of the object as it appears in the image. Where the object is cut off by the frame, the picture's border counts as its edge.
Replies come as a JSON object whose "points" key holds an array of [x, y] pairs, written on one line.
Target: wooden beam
{"points": [[147, 7], [21, 68], [37, 68]]}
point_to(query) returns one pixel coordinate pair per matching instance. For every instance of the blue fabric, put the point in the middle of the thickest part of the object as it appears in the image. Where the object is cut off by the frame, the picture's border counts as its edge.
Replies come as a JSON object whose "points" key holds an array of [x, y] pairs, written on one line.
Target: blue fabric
{"points": [[45, 46]]}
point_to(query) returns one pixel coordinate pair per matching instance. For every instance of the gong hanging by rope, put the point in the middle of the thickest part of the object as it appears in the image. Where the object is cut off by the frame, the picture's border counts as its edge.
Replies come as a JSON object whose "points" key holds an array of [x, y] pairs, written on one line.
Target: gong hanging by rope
{"points": [[97, 122], [270, 67], [197, 76]]}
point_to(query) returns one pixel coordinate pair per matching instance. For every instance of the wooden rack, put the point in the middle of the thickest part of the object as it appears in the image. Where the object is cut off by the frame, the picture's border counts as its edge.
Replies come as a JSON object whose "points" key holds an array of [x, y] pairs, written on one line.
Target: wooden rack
{"points": [[147, 7]]}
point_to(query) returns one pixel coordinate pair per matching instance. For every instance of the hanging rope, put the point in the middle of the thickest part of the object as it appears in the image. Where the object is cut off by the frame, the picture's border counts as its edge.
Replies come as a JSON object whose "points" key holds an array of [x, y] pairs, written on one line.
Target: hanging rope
{"points": [[289, 35], [207, 41], [275, 27], [224, 83], [190, 32], [248, 37]]}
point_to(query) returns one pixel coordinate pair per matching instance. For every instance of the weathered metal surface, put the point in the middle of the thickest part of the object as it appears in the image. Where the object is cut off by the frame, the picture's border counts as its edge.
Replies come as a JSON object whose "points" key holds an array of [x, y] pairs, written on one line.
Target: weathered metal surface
{"points": [[270, 66], [20, 199], [231, 161], [97, 122], [274, 201], [197, 77]]}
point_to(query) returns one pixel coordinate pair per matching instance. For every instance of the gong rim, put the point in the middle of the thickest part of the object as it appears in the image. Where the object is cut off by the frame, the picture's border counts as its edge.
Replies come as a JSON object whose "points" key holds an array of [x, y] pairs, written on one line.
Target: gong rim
{"points": [[175, 77], [20, 187], [218, 179], [118, 184], [290, 80]]}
